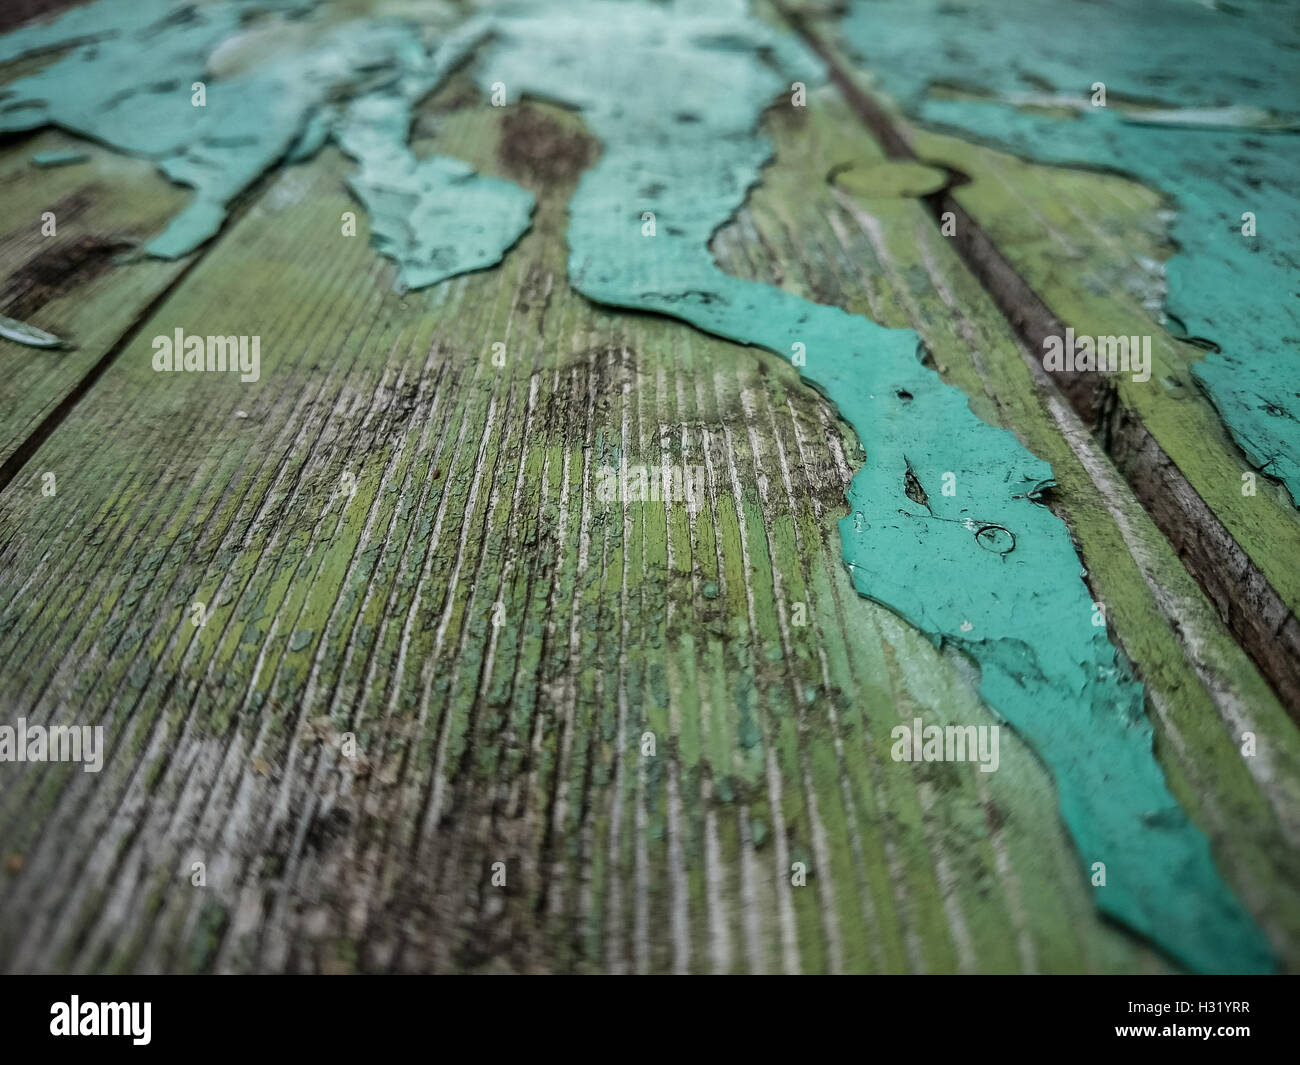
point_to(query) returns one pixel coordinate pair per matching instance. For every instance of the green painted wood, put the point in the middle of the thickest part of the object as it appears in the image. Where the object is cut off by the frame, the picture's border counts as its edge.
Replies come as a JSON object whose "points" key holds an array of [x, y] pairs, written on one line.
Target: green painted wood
{"points": [[1087, 244], [520, 742], [981, 566], [1129, 565]]}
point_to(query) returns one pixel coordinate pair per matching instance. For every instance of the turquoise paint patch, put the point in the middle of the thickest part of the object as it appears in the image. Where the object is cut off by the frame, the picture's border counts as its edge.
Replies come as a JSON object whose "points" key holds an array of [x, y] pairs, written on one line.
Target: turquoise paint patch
{"points": [[436, 216], [1222, 143], [107, 88], [998, 575], [282, 110]]}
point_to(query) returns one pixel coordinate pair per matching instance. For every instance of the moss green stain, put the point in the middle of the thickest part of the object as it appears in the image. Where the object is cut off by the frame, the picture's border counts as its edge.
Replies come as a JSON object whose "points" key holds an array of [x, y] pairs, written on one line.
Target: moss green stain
{"points": [[989, 569], [1201, 104]]}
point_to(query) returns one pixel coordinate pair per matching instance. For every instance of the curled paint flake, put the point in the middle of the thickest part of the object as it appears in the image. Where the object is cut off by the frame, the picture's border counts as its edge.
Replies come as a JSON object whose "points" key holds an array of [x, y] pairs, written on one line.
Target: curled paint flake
{"points": [[51, 159], [22, 333]]}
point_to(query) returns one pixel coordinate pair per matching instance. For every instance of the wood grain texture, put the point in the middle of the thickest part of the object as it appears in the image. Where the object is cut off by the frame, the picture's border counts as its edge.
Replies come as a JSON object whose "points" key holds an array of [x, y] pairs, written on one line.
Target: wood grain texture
{"points": [[373, 613], [74, 282]]}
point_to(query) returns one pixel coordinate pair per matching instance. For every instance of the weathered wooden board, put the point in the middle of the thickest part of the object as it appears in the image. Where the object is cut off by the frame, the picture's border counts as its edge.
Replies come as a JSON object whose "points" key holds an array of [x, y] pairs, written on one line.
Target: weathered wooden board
{"points": [[67, 275], [352, 521]]}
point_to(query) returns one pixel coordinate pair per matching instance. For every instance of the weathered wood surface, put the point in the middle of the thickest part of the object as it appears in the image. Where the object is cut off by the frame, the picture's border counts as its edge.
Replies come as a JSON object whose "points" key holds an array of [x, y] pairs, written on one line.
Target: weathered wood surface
{"points": [[1059, 247], [375, 612], [72, 283]]}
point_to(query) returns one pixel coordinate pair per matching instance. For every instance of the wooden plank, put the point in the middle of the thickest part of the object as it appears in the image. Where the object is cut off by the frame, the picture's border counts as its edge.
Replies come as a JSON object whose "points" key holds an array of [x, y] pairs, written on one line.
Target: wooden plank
{"points": [[373, 614], [72, 278]]}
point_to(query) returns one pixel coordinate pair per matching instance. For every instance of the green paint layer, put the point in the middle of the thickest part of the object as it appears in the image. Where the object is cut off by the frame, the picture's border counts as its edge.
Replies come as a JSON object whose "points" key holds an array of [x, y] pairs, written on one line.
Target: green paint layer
{"points": [[1201, 104]]}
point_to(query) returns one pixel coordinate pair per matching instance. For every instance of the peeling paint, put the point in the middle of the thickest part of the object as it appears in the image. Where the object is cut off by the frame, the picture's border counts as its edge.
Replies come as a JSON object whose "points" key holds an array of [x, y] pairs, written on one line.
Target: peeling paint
{"points": [[435, 216], [988, 570], [49, 159], [22, 333], [1200, 104], [284, 108]]}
